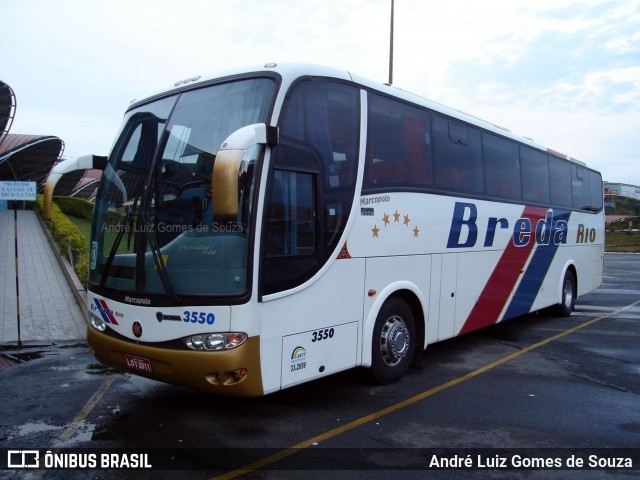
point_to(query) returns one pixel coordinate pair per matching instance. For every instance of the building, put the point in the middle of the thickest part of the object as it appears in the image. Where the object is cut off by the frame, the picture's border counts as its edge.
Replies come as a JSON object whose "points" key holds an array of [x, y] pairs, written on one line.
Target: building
{"points": [[24, 157]]}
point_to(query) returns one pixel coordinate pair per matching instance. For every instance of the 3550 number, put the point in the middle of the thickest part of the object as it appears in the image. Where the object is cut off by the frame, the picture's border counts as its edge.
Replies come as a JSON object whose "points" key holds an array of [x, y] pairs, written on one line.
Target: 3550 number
{"points": [[320, 335], [198, 317]]}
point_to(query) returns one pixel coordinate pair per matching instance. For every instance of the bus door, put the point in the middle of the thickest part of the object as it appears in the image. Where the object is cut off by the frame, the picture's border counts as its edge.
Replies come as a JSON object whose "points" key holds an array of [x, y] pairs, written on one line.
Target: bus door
{"points": [[444, 276], [311, 300], [316, 319]]}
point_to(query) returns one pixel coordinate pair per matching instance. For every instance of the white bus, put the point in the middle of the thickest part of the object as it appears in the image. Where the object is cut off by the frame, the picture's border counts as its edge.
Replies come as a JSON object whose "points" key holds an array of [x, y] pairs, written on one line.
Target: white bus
{"points": [[266, 227]]}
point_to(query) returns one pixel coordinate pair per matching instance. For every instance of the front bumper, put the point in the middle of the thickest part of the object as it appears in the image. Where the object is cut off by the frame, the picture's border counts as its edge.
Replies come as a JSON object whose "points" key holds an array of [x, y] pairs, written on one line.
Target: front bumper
{"points": [[220, 372]]}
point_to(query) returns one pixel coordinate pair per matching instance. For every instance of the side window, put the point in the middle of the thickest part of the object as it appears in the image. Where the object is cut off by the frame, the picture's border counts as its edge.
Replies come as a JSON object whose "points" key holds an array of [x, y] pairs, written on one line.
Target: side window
{"points": [[535, 175], [597, 193], [501, 167], [580, 187], [458, 156], [398, 145], [326, 117], [291, 237], [292, 229], [130, 150], [560, 183], [311, 182]]}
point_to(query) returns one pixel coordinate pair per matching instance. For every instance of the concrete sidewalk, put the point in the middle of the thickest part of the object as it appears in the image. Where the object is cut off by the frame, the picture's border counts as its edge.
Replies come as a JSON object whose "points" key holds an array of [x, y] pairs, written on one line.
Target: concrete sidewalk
{"points": [[49, 311]]}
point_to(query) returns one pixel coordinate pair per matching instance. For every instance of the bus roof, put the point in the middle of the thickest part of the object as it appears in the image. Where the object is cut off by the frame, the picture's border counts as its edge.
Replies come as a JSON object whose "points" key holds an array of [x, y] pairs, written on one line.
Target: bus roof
{"points": [[289, 72]]}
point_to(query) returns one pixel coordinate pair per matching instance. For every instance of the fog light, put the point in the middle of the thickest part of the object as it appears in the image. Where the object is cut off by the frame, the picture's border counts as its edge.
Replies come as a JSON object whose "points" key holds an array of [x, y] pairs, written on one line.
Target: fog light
{"points": [[215, 341], [97, 323]]}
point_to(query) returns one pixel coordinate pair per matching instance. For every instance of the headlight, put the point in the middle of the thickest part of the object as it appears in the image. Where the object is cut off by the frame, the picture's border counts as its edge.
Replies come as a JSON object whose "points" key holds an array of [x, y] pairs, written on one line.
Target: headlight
{"points": [[215, 341], [97, 323]]}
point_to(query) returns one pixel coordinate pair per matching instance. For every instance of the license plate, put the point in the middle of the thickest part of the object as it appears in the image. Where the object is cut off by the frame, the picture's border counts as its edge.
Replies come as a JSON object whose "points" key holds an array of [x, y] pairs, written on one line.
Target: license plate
{"points": [[138, 363]]}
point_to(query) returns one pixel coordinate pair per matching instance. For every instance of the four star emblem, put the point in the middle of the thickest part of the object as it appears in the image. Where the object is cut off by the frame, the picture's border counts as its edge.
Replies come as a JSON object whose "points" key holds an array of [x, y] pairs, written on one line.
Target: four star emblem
{"points": [[396, 219]]}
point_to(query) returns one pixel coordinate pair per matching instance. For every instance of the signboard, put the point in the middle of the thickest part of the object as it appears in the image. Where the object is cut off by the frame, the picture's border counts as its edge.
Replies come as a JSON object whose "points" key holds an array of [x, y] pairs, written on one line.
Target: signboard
{"points": [[630, 191], [17, 190], [622, 190]]}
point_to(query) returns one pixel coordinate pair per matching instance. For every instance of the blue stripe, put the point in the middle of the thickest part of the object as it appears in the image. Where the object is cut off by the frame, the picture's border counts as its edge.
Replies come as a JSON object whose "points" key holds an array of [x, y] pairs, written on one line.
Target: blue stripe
{"points": [[528, 289], [101, 310]]}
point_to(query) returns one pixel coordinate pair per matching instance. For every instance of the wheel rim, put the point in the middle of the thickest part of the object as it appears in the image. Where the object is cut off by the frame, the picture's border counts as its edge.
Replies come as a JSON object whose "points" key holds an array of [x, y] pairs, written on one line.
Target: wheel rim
{"points": [[394, 340], [568, 292]]}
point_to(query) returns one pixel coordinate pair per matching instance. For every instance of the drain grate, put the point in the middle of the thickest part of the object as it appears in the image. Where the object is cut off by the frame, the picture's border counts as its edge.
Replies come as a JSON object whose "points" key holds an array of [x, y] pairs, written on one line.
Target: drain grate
{"points": [[10, 355], [6, 361]]}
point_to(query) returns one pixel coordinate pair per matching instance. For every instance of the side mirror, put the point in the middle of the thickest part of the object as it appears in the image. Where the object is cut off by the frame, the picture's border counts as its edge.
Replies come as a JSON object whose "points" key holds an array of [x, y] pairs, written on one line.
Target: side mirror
{"points": [[226, 168], [245, 137]]}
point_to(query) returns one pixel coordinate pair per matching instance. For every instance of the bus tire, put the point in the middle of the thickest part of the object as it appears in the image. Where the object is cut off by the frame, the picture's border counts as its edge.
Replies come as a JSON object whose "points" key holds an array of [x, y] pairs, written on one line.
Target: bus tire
{"points": [[568, 295], [394, 338]]}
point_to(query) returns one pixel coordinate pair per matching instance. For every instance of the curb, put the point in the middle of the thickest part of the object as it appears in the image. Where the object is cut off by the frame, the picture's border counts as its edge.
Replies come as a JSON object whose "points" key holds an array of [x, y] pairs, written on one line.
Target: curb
{"points": [[78, 290]]}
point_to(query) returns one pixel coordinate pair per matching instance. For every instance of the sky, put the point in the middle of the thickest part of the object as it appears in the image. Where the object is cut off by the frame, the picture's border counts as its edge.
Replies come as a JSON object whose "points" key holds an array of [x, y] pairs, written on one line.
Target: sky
{"points": [[565, 73]]}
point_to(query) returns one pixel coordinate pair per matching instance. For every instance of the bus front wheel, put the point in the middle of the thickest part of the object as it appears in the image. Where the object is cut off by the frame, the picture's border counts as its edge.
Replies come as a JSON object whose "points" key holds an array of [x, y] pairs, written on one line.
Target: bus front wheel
{"points": [[393, 341], [568, 295]]}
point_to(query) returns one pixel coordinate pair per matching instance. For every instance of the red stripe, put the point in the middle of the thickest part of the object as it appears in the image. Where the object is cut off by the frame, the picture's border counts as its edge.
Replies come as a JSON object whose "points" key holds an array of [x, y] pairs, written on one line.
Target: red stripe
{"points": [[107, 312], [503, 279]]}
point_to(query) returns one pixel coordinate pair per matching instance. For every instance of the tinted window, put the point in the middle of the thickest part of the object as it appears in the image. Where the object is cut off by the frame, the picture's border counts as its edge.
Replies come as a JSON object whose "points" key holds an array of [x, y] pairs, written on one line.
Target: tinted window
{"points": [[290, 247], [184, 237], [535, 175], [292, 215], [560, 182], [580, 187], [595, 180], [501, 167], [398, 144], [458, 156], [318, 150], [326, 117]]}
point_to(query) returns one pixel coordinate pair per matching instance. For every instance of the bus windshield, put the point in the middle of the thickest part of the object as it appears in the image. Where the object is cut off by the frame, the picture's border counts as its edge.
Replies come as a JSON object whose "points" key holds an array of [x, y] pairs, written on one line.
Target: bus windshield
{"points": [[156, 227]]}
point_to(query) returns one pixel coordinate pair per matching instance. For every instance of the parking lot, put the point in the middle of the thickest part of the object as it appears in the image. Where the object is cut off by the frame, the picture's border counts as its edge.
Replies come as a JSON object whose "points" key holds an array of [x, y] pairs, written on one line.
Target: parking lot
{"points": [[564, 385]]}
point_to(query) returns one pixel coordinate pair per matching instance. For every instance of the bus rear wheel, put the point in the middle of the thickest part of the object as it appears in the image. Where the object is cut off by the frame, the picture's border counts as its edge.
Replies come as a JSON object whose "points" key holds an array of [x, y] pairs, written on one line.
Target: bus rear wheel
{"points": [[393, 341], [568, 295]]}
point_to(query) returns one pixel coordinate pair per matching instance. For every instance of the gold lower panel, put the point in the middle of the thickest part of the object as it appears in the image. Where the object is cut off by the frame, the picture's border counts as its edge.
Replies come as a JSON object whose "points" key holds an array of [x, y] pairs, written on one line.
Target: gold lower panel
{"points": [[231, 372]]}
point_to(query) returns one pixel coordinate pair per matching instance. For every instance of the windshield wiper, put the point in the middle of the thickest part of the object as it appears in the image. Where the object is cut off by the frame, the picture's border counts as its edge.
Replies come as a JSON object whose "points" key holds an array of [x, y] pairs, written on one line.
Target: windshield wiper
{"points": [[158, 260], [125, 226]]}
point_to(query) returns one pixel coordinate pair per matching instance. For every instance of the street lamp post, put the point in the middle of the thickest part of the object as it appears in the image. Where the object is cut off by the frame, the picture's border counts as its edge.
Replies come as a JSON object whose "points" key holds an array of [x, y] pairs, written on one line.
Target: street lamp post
{"points": [[391, 46]]}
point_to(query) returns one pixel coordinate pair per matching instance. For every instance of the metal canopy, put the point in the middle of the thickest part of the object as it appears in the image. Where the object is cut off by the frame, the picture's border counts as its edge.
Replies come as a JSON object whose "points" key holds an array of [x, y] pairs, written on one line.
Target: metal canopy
{"points": [[7, 109], [29, 157]]}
